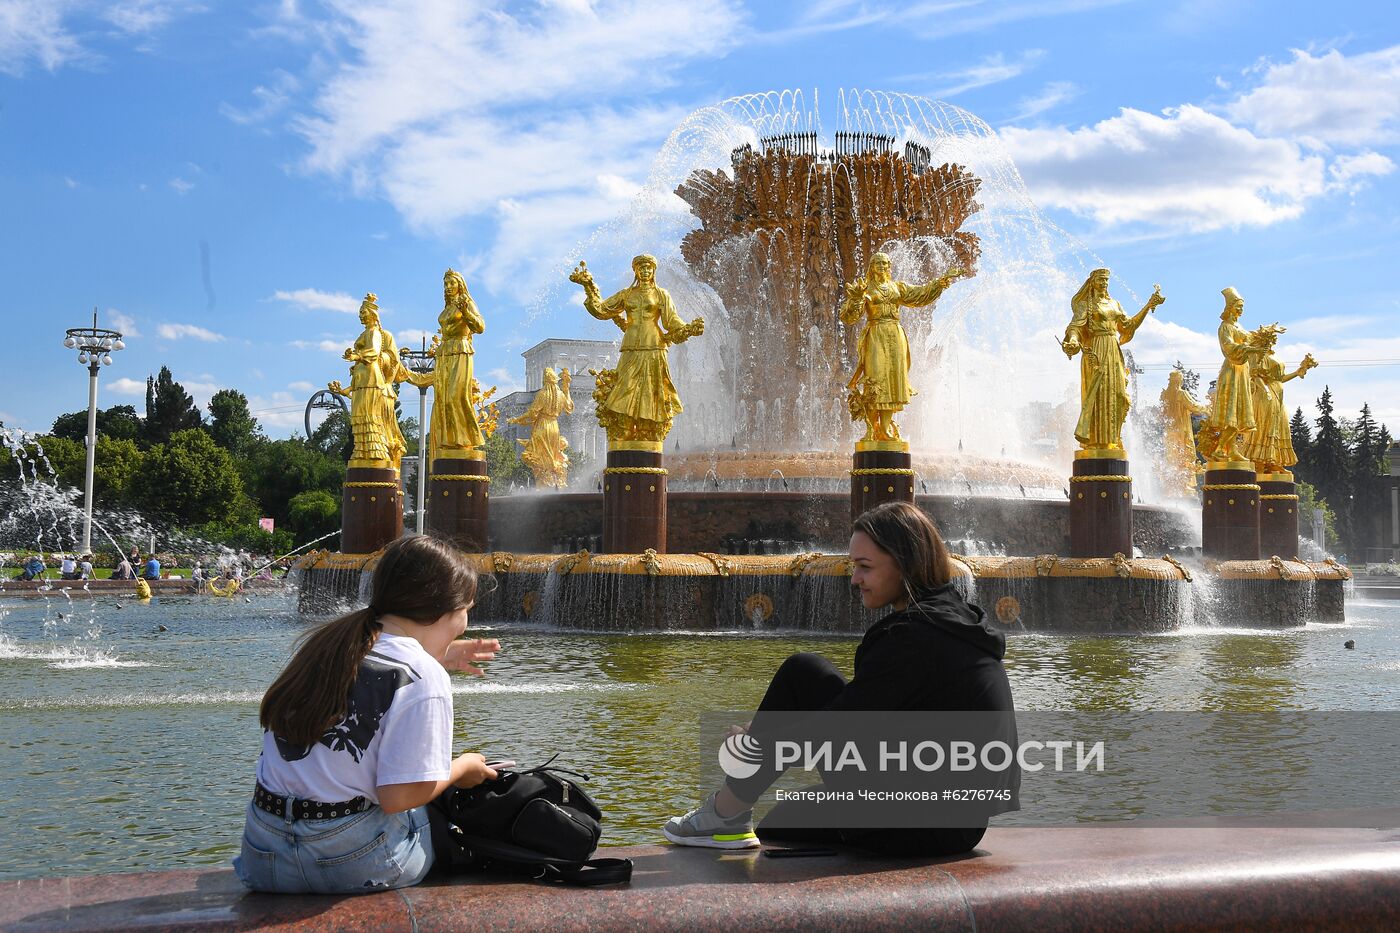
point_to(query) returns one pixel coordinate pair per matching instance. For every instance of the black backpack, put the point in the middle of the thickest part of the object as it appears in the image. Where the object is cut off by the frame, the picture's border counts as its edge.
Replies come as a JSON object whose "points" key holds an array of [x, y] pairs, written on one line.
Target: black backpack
{"points": [[531, 822]]}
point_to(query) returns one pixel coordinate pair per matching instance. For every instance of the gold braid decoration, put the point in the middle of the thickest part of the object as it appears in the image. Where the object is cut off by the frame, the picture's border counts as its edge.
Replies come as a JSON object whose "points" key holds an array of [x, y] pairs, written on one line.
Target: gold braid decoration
{"points": [[369, 484], [1279, 496], [651, 561], [882, 471], [656, 471], [501, 560], [1122, 565], [718, 561], [1101, 479], [1186, 574], [800, 562], [1044, 564], [1277, 563], [1212, 487], [476, 477]]}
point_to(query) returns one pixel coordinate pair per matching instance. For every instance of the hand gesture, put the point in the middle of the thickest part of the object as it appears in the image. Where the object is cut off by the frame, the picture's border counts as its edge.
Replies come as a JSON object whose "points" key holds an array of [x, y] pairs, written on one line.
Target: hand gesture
{"points": [[565, 379], [336, 388], [581, 275], [697, 327], [1070, 345], [1156, 298], [474, 770], [464, 651], [855, 290]]}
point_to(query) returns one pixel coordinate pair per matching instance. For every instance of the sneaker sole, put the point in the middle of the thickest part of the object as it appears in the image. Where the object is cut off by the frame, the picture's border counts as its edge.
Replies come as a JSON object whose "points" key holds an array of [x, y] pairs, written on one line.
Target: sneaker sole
{"points": [[748, 841]]}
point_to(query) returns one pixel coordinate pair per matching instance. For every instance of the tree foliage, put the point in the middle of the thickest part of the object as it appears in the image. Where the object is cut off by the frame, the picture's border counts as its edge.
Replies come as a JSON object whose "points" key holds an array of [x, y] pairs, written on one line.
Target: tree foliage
{"points": [[192, 480], [118, 422], [231, 425], [169, 408]]}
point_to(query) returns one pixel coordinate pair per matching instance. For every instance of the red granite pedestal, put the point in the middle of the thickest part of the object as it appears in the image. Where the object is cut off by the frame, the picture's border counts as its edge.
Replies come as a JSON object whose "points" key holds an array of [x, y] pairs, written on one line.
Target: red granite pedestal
{"points": [[634, 501], [1278, 515], [371, 509], [1100, 505], [1230, 512], [881, 471], [458, 495]]}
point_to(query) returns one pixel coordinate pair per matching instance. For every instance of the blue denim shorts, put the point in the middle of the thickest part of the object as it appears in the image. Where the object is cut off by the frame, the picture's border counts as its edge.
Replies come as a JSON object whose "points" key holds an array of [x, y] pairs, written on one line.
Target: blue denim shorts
{"points": [[356, 854]]}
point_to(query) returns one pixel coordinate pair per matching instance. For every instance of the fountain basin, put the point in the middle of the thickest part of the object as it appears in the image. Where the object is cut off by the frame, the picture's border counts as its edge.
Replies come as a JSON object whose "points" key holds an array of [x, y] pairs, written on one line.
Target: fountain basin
{"points": [[811, 592]]}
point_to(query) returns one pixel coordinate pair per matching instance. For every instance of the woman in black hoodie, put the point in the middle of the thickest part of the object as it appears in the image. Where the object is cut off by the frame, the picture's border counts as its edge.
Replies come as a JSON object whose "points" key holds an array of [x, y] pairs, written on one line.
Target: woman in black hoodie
{"points": [[935, 651]]}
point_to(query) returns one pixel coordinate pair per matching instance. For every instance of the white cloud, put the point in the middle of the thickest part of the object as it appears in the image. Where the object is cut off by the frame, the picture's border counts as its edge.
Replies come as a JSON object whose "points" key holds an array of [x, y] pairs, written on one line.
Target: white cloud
{"points": [[313, 299], [1185, 168], [302, 386], [412, 337], [70, 182], [1051, 96], [279, 410], [123, 322], [993, 69], [505, 381], [144, 16], [125, 386], [1327, 100], [326, 346], [269, 100], [181, 186], [181, 331], [1350, 172], [45, 32]]}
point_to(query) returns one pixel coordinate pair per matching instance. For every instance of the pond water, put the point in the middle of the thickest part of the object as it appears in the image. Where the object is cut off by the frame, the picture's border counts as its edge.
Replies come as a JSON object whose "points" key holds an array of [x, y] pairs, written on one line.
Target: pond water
{"points": [[127, 748]]}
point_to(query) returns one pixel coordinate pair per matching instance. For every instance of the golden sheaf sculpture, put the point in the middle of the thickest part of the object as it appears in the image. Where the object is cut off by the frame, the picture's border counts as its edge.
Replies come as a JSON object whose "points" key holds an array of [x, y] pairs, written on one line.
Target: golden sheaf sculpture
{"points": [[544, 451], [637, 401]]}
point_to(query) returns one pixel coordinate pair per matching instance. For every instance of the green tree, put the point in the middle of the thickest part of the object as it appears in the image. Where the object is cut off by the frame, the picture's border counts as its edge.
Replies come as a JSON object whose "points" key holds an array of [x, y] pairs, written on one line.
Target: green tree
{"points": [[116, 466], [1301, 433], [503, 463], [66, 459], [279, 470], [313, 513], [193, 481], [1330, 467], [169, 408], [333, 437], [1370, 491], [119, 421], [231, 424]]}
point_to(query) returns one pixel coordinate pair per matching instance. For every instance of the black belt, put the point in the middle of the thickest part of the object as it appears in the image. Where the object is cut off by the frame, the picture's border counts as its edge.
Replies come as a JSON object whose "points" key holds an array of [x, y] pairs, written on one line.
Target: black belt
{"points": [[276, 804]]}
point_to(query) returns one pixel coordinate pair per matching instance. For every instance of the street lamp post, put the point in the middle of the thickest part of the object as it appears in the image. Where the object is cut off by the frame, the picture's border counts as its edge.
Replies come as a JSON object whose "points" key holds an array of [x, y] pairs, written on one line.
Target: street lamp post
{"points": [[421, 362], [95, 346]]}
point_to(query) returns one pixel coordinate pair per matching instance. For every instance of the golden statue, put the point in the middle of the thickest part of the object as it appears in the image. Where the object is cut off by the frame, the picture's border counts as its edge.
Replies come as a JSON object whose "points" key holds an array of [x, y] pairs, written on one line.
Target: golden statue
{"points": [[1232, 414], [544, 451], [456, 433], [1178, 405], [879, 388], [1270, 447], [1097, 332], [640, 400], [375, 374]]}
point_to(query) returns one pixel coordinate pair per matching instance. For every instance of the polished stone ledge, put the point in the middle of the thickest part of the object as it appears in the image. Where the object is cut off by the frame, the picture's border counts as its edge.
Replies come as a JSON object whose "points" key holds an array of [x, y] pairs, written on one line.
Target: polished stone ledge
{"points": [[1048, 880]]}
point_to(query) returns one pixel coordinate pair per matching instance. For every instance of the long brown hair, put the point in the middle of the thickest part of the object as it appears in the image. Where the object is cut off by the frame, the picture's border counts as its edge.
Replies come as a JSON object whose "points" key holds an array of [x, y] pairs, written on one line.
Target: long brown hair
{"points": [[418, 578], [912, 539]]}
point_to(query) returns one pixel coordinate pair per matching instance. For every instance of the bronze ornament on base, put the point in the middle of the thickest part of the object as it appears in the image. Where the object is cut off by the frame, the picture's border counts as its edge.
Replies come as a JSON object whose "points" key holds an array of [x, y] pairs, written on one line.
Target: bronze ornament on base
{"points": [[1230, 511], [371, 509], [634, 501], [880, 472], [1100, 505], [1278, 515], [458, 498]]}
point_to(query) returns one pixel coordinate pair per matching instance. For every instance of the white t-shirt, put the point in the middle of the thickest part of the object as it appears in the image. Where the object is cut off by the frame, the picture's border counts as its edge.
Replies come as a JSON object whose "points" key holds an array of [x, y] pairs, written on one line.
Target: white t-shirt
{"points": [[398, 730]]}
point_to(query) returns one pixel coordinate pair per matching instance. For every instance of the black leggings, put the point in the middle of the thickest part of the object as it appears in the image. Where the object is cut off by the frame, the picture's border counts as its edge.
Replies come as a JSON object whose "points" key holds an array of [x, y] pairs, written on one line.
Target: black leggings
{"points": [[811, 682]]}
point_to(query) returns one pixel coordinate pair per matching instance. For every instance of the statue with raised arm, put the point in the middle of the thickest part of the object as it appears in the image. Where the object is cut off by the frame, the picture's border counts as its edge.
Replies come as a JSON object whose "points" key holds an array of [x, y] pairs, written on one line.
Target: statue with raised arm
{"points": [[640, 401], [1270, 447], [879, 388], [1178, 405], [455, 429], [1232, 414], [1097, 333], [375, 373], [544, 451]]}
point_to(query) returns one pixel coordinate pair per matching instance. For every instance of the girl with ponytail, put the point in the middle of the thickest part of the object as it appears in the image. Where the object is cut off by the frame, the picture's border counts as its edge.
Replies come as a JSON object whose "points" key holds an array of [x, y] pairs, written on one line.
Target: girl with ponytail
{"points": [[358, 734]]}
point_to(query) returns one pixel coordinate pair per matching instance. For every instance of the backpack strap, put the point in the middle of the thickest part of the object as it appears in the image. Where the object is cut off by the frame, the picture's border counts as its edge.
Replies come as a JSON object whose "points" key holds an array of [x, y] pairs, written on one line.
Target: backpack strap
{"points": [[591, 873]]}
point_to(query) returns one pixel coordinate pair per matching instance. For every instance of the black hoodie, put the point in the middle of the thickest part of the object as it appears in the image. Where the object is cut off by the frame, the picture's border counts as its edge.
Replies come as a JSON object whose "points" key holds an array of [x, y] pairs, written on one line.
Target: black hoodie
{"points": [[940, 653]]}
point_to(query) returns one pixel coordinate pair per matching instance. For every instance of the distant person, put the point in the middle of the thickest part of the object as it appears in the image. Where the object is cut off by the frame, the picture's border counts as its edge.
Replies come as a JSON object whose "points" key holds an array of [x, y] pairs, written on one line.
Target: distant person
{"points": [[68, 568], [197, 574], [124, 570], [358, 734], [935, 651], [33, 568], [85, 568], [134, 556], [152, 571]]}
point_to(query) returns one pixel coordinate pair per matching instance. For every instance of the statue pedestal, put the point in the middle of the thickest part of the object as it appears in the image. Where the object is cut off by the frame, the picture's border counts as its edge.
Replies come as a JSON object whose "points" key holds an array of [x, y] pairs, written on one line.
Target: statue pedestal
{"points": [[1278, 515], [1100, 505], [371, 509], [881, 471], [634, 501], [1230, 512], [458, 495]]}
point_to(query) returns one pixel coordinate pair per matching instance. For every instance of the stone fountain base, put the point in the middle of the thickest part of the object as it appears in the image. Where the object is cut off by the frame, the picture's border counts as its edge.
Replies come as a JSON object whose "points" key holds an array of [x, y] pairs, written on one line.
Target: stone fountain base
{"points": [[812, 592]]}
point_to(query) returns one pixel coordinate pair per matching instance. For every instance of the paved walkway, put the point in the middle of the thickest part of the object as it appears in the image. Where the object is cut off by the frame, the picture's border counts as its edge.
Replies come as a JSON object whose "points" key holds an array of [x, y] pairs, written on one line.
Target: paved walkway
{"points": [[1046, 880]]}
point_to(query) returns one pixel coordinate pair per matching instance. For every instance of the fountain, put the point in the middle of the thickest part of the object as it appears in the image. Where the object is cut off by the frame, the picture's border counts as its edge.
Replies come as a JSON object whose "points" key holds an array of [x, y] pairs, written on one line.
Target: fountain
{"points": [[758, 219]]}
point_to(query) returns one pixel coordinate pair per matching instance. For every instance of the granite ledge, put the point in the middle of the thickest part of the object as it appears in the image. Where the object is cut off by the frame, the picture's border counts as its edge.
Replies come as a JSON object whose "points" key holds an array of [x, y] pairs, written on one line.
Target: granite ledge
{"points": [[1046, 879]]}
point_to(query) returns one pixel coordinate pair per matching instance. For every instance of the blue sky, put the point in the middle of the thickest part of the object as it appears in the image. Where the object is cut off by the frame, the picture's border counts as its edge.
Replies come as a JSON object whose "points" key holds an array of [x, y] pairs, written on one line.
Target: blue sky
{"points": [[224, 180]]}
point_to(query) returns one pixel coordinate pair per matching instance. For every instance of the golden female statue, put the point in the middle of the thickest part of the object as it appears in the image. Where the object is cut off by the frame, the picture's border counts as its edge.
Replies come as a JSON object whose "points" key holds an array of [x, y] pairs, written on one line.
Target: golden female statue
{"points": [[544, 451], [879, 388], [1233, 411], [1097, 332], [1178, 405], [1270, 447], [640, 400], [456, 432], [375, 373]]}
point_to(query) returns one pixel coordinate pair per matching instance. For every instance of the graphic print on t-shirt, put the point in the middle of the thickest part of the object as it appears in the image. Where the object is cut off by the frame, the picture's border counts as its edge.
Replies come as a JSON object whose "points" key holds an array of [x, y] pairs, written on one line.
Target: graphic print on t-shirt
{"points": [[376, 682]]}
